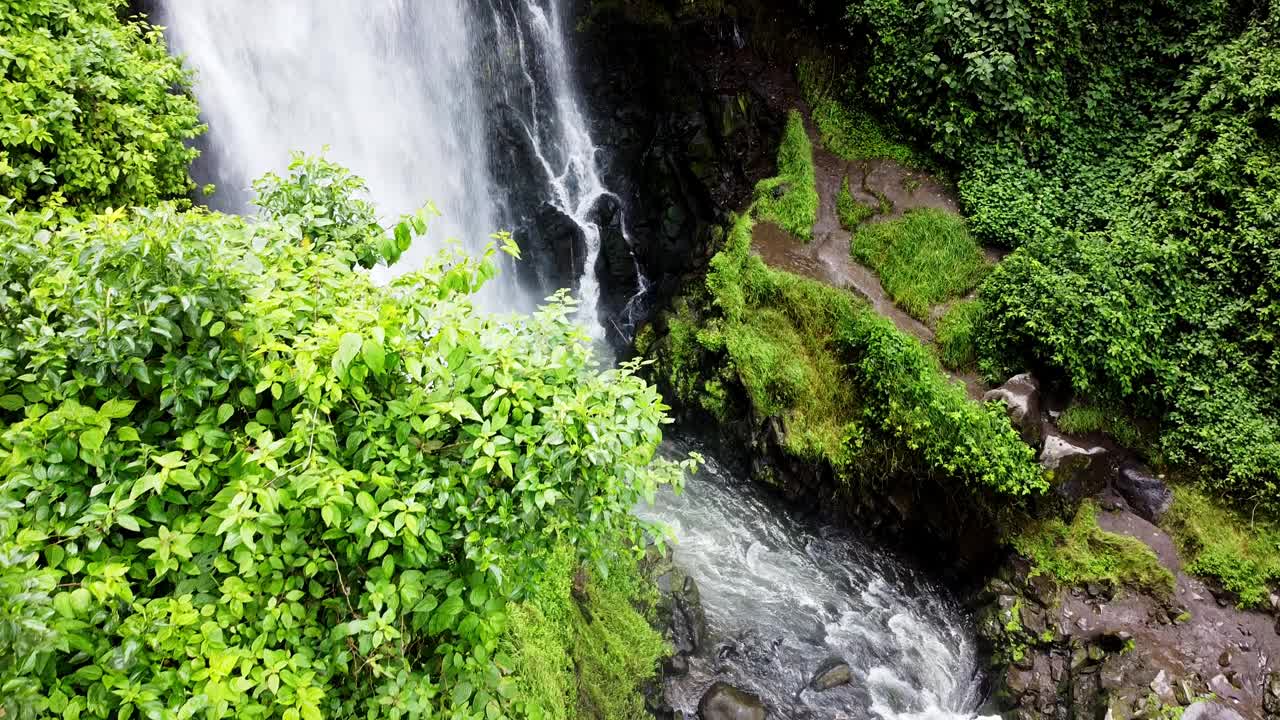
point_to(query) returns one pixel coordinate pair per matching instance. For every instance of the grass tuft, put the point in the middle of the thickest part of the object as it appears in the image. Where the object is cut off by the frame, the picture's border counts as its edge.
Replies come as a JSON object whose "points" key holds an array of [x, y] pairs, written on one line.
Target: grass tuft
{"points": [[790, 200], [849, 131], [1081, 552], [1240, 553], [925, 258], [852, 213], [1087, 417], [955, 335]]}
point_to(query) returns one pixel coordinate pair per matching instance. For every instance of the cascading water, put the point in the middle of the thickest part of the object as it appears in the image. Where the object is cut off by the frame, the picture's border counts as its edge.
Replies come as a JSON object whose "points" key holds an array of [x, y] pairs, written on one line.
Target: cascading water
{"points": [[392, 88], [781, 597], [404, 114], [472, 105]]}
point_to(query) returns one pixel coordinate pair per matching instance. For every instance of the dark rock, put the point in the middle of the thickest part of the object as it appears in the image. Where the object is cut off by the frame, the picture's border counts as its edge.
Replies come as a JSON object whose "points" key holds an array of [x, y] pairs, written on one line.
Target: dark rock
{"points": [[1225, 658], [1146, 494], [615, 266], [1021, 396], [1207, 710], [833, 672], [723, 701], [554, 249], [1079, 470]]}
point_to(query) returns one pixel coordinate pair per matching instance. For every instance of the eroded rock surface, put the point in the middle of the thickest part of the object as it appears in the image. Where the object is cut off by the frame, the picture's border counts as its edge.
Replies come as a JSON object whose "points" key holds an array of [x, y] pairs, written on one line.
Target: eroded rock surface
{"points": [[723, 701]]}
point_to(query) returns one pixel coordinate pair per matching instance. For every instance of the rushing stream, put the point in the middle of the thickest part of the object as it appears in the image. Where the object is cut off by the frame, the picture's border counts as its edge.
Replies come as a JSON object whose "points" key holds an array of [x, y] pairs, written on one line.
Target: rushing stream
{"points": [[781, 596], [472, 104]]}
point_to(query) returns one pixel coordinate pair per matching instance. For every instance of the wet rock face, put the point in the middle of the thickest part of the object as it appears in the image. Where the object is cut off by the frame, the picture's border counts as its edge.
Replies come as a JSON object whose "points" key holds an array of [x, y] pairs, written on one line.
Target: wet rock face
{"points": [[723, 701], [834, 672], [685, 129], [1021, 396], [1146, 494], [615, 267], [554, 249], [680, 615]]}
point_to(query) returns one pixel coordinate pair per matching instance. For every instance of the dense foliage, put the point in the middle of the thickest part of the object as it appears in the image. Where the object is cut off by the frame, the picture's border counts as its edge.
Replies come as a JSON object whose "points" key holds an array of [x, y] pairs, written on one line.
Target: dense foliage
{"points": [[238, 479], [93, 111], [1130, 152]]}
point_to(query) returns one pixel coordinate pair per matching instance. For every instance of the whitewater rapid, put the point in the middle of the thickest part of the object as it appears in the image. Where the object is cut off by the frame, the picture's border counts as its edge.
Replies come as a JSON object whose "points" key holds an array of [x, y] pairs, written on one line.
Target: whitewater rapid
{"points": [[782, 595]]}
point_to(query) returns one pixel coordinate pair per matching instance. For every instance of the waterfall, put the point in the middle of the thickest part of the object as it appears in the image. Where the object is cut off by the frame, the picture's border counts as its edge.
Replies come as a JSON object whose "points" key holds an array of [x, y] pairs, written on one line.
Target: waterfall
{"points": [[404, 94]]}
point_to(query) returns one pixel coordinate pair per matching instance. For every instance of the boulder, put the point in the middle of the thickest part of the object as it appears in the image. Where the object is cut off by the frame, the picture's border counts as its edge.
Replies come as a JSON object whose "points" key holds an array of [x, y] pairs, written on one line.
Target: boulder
{"points": [[833, 672], [723, 701], [1021, 397], [1208, 710], [1080, 470], [680, 609], [1146, 494]]}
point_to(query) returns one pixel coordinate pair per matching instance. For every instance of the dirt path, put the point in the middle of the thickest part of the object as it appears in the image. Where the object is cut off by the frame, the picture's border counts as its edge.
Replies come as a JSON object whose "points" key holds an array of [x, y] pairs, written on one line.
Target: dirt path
{"points": [[827, 258], [1206, 642]]}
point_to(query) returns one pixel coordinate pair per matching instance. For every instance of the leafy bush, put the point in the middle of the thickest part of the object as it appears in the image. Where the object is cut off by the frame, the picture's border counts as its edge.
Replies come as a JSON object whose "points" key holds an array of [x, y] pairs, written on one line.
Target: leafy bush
{"points": [[93, 111], [1081, 552], [956, 332], [924, 258], [790, 199], [240, 479], [852, 213], [1242, 552]]}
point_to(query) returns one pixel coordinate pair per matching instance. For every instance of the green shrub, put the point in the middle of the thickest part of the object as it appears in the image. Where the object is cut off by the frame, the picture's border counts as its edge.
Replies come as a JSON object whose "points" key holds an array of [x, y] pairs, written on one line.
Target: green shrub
{"points": [[94, 111], [852, 213], [924, 258], [1081, 552], [1242, 552], [240, 479], [790, 199], [956, 332]]}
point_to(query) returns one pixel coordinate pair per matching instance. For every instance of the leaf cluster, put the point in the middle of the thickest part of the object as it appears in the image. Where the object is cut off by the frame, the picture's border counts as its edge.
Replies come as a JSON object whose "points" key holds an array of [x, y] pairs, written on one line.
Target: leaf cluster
{"points": [[240, 479]]}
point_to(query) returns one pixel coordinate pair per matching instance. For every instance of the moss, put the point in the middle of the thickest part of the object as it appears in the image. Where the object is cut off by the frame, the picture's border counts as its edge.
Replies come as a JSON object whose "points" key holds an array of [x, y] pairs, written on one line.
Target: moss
{"points": [[851, 389], [846, 129], [1240, 553], [925, 258], [852, 213], [790, 199], [956, 332], [1081, 552], [585, 659], [778, 332], [1087, 417]]}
